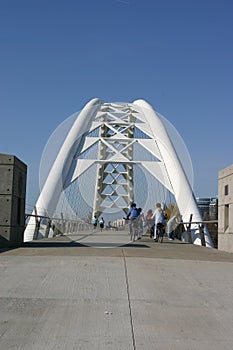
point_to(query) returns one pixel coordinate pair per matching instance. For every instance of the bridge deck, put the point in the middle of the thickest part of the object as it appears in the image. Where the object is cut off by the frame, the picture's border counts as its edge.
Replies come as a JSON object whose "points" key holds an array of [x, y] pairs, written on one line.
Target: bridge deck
{"points": [[59, 294]]}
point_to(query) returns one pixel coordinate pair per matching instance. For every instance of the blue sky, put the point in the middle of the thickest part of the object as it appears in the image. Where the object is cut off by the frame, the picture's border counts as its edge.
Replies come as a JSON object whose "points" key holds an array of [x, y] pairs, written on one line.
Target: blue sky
{"points": [[176, 54]]}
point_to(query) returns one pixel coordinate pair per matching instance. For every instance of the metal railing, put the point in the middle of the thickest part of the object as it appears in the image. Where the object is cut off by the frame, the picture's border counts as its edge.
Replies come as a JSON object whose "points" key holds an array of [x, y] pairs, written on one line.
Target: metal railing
{"points": [[58, 225]]}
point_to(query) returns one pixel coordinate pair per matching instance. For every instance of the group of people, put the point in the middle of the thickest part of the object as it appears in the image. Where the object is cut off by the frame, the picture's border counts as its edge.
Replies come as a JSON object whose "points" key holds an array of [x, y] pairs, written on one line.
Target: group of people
{"points": [[154, 222], [95, 222]]}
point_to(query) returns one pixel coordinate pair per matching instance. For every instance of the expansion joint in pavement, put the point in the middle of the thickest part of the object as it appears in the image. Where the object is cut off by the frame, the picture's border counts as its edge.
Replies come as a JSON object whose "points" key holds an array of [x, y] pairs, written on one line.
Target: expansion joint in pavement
{"points": [[129, 303]]}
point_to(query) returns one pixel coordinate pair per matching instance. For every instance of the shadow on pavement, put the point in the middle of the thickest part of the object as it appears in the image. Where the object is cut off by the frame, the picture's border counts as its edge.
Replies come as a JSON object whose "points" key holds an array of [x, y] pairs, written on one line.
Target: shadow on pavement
{"points": [[41, 244]]}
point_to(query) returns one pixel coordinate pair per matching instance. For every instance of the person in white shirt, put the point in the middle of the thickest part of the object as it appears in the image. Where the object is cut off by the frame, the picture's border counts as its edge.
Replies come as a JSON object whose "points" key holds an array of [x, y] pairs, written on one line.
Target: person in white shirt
{"points": [[159, 219]]}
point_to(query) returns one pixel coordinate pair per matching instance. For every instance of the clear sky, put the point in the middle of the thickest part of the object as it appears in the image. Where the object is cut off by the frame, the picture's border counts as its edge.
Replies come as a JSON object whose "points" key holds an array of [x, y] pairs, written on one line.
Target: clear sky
{"points": [[56, 55]]}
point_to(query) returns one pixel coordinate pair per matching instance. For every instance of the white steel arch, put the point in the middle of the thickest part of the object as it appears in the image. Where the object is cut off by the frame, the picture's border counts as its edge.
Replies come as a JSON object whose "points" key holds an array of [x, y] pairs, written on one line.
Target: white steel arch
{"points": [[113, 126]]}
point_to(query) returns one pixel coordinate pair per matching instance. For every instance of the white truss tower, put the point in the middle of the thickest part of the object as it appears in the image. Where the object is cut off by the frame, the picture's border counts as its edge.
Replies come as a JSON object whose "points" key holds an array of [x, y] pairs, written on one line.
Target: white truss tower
{"points": [[117, 129], [114, 185]]}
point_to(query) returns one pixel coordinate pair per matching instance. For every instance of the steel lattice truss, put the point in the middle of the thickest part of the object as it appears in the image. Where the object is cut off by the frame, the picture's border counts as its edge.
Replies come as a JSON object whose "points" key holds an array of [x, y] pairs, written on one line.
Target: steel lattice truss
{"points": [[118, 131]]}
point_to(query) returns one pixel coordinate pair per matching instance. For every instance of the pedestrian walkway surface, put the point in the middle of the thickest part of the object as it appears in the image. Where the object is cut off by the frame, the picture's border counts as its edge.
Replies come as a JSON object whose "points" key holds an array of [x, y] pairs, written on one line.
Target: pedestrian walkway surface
{"points": [[59, 294]]}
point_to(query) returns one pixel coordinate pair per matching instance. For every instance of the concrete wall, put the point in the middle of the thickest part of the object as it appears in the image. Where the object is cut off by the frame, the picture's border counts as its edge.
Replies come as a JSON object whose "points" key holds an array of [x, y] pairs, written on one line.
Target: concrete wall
{"points": [[13, 174], [225, 209]]}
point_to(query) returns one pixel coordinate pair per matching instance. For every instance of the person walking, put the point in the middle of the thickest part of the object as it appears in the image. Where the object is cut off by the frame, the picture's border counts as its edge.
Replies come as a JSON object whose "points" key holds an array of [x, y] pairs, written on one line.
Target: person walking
{"points": [[132, 215], [171, 226], [95, 222], [101, 222], [141, 220], [149, 222], [159, 221]]}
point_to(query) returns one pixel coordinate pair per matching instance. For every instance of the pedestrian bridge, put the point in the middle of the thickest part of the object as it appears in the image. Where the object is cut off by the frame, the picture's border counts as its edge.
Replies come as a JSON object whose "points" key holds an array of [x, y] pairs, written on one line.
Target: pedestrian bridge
{"points": [[114, 154], [58, 294]]}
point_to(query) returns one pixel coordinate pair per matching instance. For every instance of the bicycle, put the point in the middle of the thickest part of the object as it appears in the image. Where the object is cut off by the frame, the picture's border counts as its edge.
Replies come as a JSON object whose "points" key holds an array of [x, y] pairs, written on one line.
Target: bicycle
{"points": [[160, 232]]}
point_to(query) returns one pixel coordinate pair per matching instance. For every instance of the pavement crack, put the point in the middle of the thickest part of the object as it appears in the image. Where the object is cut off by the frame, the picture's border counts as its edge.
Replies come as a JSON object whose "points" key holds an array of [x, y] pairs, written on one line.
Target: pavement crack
{"points": [[129, 302]]}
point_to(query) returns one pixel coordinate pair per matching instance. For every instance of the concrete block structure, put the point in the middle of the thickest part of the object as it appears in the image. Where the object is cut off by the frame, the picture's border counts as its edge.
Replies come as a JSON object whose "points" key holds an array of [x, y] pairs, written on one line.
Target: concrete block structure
{"points": [[13, 173], [225, 209]]}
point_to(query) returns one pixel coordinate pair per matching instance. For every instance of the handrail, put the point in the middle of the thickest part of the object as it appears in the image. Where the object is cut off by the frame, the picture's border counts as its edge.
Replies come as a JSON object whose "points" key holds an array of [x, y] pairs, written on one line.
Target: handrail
{"points": [[198, 222]]}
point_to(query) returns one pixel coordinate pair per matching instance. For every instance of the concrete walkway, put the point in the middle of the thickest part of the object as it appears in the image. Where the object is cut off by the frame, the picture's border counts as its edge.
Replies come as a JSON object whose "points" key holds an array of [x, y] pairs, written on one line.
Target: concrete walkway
{"points": [[57, 294]]}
